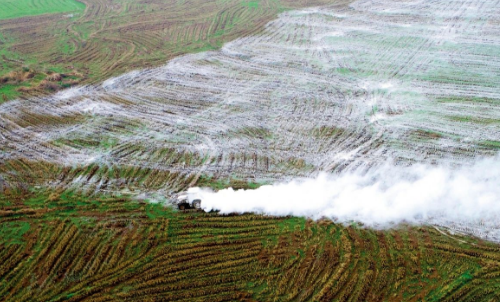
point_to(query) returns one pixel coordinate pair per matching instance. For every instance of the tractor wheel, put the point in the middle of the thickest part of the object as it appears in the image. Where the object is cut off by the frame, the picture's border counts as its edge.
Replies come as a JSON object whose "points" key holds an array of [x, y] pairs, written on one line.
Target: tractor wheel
{"points": [[182, 207], [197, 204]]}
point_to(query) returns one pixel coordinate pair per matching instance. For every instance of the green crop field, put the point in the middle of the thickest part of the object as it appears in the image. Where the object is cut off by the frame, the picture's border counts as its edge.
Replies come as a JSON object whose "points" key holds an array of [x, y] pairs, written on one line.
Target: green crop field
{"points": [[64, 246], [21, 8]]}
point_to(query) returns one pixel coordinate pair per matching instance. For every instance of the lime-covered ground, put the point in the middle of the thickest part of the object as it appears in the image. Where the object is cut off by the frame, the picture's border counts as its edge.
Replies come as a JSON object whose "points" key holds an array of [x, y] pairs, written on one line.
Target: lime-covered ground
{"points": [[329, 89], [21, 8]]}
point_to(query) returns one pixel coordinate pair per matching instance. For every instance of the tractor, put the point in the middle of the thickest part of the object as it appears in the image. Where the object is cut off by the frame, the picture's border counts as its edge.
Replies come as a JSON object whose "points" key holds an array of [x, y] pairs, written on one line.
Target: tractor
{"points": [[188, 200]]}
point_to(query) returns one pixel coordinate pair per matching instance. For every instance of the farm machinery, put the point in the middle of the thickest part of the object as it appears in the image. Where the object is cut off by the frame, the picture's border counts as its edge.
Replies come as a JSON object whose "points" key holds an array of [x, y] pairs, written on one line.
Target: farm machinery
{"points": [[187, 200]]}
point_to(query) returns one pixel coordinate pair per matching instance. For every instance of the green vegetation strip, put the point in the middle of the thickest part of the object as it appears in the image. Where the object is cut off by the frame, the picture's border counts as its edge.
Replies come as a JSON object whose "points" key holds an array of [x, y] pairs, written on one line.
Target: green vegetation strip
{"points": [[10, 9]]}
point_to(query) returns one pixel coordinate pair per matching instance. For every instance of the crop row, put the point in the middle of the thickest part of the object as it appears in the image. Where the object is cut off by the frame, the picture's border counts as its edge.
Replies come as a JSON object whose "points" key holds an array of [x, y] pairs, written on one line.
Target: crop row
{"points": [[80, 252]]}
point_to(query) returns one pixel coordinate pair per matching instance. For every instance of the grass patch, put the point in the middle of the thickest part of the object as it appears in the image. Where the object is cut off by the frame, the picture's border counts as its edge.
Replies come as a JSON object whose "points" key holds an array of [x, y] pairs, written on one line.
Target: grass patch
{"points": [[475, 120], [12, 232], [10, 9], [8, 92], [460, 99], [251, 4], [490, 144], [155, 210]]}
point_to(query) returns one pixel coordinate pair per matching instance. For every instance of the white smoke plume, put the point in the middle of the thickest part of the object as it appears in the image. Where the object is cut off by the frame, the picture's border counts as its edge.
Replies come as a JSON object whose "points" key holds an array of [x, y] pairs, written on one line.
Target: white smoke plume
{"points": [[380, 198]]}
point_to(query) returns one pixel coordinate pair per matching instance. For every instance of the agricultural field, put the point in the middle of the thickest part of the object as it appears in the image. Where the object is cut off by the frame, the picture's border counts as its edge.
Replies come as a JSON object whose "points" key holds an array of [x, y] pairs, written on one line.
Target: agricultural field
{"points": [[62, 246], [80, 42], [309, 93], [161, 96]]}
